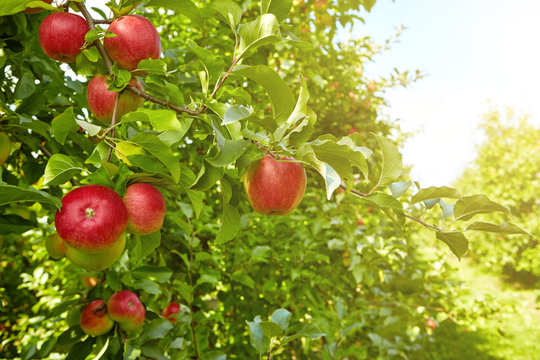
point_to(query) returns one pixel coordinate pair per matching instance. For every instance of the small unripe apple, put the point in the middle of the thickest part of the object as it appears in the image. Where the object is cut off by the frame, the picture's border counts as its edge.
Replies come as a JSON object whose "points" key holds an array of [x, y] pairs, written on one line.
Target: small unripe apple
{"points": [[94, 261], [94, 319], [61, 36], [170, 311], [101, 100], [55, 246], [432, 324], [89, 282], [136, 39], [35, 10], [275, 187], [92, 218], [126, 309], [5, 147], [146, 208]]}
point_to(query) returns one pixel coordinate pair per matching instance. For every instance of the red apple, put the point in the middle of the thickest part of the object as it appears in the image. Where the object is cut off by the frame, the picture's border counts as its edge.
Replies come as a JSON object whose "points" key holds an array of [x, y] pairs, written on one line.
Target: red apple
{"points": [[431, 323], [275, 187], [61, 36], [136, 39], [94, 319], [360, 222], [146, 208], [35, 10], [92, 218], [101, 100], [170, 311], [125, 308], [94, 261], [55, 246], [5, 147]]}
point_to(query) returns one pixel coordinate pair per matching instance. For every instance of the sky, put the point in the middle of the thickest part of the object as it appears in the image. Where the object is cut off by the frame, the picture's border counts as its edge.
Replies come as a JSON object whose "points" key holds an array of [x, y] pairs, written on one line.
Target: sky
{"points": [[476, 54]]}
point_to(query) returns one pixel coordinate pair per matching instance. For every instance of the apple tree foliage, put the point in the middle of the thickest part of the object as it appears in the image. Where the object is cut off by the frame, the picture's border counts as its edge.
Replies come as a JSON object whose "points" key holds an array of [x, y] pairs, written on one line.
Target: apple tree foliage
{"points": [[508, 164], [337, 278]]}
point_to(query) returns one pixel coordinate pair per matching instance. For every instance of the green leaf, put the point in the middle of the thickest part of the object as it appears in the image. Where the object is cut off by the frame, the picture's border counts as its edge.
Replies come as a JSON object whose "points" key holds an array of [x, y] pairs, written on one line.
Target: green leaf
{"points": [[103, 350], [10, 194], [157, 273], [299, 112], [157, 329], [208, 176], [15, 224], [147, 285], [63, 124], [229, 12], [149, 243], [213, 64], [389, 204], [278, 91], [230, 150], [153, 66], [331, 178], [151, 143], [434, 192], [262, 31], [467, 207], [280, 8], [81, 350], [504, 228], [25, 87], [456, 241], [270, 329], [311, 330], [256, 336], [281, 317], [60, 169], [391, 161], [399, 188], [448, 209], [230, 224], [181, 7], [9, 7], [91, 129], [235, 113]]}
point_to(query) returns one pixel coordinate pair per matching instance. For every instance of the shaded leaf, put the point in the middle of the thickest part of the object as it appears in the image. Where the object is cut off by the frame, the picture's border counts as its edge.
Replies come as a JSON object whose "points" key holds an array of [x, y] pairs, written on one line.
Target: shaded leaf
{"points": [[456, 241], [60, 169], [13, 194]]}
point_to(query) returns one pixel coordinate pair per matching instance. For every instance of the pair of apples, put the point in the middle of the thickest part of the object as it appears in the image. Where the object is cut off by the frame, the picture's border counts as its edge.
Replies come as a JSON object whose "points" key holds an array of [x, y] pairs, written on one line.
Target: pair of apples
{"points": [[93, 219]]}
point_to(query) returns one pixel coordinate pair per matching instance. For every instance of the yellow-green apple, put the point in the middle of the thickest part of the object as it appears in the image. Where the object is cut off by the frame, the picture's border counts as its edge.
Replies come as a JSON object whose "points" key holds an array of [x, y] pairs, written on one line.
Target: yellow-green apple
{"points": [[146, 208], [5, 147], [61, 36], [101, 100], [136, 39], [94, 318], [275, 187], [171, 311], [92, 218], [35, 10], [126, 309], [55, 246], [94, 261]]}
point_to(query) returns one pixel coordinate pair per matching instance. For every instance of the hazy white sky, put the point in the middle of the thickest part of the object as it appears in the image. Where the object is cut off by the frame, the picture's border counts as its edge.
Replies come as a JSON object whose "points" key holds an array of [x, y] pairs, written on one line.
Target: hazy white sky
{"points": [[474, 52]]}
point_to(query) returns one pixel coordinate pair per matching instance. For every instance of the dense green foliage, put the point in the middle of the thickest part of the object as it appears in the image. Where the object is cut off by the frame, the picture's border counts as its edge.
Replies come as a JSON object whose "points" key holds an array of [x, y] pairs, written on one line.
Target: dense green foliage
{"points": [[508, 164], [338, 278]]}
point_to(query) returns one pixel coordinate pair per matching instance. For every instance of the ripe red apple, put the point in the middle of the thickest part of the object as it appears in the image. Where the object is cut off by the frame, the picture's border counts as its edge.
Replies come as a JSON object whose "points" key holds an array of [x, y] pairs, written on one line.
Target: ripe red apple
{"points": [[92, 218], [431, 323], [170, 311], [94, 261], [101, 100], [5, 147], [125, 308], [136, 39], [360, 222], [61, 36], [55, 246], [35, 10], [146, 208], [275, 187], [94, 318]]}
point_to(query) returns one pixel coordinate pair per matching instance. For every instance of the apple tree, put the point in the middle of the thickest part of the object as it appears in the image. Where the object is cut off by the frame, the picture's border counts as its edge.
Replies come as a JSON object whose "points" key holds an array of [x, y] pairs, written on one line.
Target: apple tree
{"points": [[197, 101]]}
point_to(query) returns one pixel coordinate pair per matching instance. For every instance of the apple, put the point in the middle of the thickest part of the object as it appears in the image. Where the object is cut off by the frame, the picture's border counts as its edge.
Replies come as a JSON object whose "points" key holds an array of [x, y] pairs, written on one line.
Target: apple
{"points": [[89, 282], [275, 187], [91, 219], [94, 318], [101, 100], [61, 36], [432, 324], [5, 147], [94, 261], [360, 222], [55, 246], [125, 308], [136, 39], [170, 311], [35, 10], [124, 149], [146, 208]]}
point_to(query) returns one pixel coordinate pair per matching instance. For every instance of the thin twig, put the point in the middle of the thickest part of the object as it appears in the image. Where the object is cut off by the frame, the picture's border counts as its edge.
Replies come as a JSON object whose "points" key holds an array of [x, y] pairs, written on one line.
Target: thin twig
{"points": [[218, 86], [113, 122]]}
